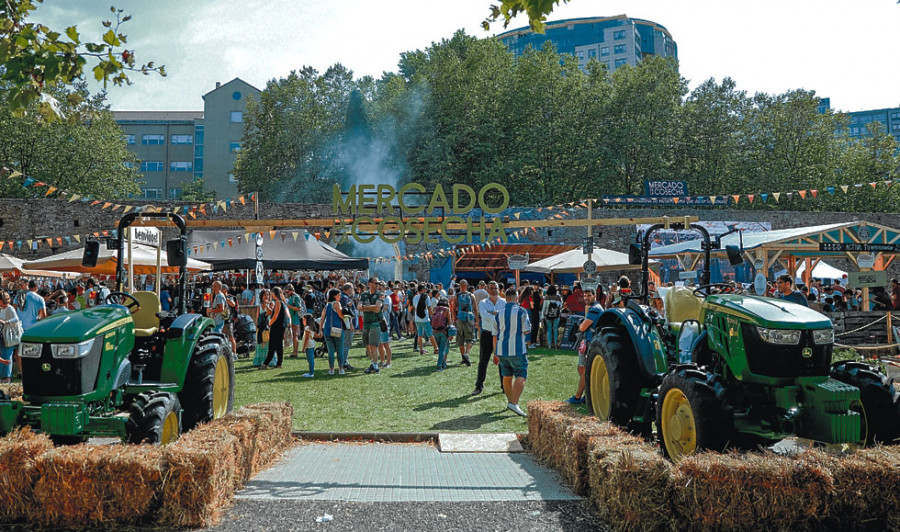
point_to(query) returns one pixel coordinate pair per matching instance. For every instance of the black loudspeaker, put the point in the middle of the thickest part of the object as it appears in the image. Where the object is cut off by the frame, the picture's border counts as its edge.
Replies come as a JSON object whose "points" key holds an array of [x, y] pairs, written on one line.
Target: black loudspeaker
{"points": [[175, 253], [91, 253], [735, 256], [634, 253]]}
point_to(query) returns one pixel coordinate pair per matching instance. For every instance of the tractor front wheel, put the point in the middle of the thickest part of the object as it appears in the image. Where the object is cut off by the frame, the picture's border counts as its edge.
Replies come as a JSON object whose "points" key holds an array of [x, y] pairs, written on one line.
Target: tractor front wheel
{"points": [[880, 401], [612, 381], [154, 418], [689, 416], [208, 391]]}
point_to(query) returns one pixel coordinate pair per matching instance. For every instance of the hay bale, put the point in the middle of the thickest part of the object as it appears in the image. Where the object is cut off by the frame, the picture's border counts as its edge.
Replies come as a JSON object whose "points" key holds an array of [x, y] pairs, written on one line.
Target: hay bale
{"points": [[18, 452], [731, 491], [630, 482], [84, 486], [200, 477], [539, 414], [573, 449], [13, 390], [273, 422], [866, 490]]}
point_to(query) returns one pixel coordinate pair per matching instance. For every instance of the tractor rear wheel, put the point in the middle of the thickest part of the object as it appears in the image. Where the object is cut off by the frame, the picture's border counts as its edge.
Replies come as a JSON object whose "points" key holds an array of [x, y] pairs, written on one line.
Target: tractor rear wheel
{"points": [[612, 380], [154, 418], [689, 416], [208, 391], [880, 401]]}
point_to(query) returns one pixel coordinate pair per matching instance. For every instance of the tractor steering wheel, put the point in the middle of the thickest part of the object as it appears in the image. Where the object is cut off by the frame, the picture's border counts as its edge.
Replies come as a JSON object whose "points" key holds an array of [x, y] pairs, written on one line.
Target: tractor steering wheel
{"points": [[130, 302], [706, 289]]}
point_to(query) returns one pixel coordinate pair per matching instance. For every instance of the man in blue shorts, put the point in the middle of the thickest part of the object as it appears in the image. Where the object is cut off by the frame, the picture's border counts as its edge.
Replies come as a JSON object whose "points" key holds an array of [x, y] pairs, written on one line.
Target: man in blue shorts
{"points": [[513, 327]]}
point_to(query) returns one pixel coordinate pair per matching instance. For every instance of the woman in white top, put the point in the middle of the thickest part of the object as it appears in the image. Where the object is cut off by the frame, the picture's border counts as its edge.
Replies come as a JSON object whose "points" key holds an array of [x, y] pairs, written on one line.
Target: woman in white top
{"points": [[8, 318]]}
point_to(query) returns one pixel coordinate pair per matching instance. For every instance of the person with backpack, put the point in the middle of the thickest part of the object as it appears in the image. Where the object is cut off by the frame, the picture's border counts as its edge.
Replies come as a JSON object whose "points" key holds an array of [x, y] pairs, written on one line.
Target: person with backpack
{"points": [[466, 320], [422, 315], [371, 303], [440, 324], [550, 311], [218, 311]]}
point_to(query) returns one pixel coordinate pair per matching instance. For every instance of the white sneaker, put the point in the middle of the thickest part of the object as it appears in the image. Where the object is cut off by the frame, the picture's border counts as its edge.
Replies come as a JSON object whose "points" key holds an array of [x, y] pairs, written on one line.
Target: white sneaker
{"points": [[516, 409], [331, 372], [387, 366], [342, 372]]}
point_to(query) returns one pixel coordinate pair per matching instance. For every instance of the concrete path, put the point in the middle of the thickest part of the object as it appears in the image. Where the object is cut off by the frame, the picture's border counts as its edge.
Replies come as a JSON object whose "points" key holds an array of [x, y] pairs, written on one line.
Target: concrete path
{"points": [[414, 472]]}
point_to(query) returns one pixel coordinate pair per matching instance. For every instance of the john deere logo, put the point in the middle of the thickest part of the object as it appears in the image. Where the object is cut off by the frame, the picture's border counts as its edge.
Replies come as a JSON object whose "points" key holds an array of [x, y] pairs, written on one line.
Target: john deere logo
{"points": [[807, 352], [45, 366]]}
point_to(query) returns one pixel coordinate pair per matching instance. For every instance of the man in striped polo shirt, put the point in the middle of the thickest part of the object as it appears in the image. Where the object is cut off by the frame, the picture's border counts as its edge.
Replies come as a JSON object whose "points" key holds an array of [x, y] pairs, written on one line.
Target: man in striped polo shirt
{"points": [[513, 326]]}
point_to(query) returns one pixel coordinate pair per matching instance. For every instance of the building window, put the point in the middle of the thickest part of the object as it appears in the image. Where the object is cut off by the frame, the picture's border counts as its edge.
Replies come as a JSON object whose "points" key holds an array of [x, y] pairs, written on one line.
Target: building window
{"points": [[128, 164], [237, 117], [854, 131], [182, 139], [895, 127], [592, 52], [619, 35], [129, 139], [619, 49], [895, 116], [620, 62], [181, 166], [234, 147], [153, 140], [231, 178], [152, 166], [604, 51], [174, 193], [152, 193]]}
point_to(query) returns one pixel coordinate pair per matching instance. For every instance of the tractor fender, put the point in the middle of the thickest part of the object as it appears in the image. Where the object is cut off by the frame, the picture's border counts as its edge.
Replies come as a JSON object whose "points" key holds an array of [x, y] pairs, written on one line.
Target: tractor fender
{"points": [[639, 330], [181, 339], [123, 374]]}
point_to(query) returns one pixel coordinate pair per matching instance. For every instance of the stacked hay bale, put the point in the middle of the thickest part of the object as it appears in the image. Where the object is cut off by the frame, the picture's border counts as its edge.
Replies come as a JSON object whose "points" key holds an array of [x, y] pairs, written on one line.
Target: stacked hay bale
{"points": [[18, 452], [867, 490], [85, 486]]}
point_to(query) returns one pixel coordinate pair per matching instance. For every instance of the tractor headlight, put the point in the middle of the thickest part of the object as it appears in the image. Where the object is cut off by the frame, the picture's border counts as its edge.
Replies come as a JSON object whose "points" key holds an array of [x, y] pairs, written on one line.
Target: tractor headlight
{"points": [[779, 336], [72, 350], [30, 351], [823, 336]]}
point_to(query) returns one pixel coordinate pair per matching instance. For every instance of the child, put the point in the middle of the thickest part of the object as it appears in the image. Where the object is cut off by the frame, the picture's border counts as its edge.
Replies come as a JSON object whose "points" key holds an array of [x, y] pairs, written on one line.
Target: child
{"points": [[309, 343]]}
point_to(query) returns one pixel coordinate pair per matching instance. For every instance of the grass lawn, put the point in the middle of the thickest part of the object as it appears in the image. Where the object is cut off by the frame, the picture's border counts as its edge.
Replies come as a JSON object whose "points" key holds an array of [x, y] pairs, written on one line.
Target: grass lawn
{"points": [[410, 396]]}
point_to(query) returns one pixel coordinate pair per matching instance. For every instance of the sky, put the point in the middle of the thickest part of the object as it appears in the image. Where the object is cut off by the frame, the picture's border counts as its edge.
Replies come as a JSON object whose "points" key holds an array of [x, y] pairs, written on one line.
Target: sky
{"points": [[847, 51]]}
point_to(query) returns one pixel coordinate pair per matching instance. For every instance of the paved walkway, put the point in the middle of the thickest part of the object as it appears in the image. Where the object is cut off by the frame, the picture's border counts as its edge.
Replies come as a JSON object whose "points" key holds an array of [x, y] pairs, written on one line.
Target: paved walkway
{"points": [[384, 472]]}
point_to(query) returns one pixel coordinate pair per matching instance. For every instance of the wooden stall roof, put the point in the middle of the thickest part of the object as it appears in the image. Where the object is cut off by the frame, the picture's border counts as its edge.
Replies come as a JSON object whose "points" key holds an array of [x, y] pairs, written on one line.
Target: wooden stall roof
{"points": [[494, 259]]}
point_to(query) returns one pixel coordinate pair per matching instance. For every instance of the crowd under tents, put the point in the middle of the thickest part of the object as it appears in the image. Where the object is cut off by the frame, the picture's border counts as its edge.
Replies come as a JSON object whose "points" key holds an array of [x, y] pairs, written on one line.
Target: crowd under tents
{"points": [[572, 261], [281, 250]]}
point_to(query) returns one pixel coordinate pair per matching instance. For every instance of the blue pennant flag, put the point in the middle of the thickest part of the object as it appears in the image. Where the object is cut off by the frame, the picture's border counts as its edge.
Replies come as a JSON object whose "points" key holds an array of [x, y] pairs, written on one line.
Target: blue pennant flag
{"points": [[830, 190], [28, 182], [764, 197]]}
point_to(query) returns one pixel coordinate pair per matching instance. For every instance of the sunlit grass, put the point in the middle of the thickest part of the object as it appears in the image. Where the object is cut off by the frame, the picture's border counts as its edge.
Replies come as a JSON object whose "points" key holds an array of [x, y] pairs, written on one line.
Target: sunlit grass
{"points": [[409, 397]]}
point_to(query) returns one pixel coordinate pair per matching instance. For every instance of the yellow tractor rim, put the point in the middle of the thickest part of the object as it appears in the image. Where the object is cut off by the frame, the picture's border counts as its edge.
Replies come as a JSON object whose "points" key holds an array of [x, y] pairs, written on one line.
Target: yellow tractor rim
{"points": [[170, 431], [221, 385], [678, 426], [600, 393]]}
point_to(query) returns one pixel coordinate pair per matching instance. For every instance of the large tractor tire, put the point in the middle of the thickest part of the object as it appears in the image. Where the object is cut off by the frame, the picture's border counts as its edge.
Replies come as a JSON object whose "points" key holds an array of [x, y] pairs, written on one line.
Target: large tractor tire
{"points": [[689, 415], [154, 418], [208, 391], [880, 401], [612, 381]]}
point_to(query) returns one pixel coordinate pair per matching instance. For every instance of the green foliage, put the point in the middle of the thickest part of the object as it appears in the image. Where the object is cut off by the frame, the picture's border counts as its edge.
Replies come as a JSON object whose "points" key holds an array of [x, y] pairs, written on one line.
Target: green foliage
{"points": [[86, 154], [194, 191], [34, 57], [465, 111], [537, 11]]}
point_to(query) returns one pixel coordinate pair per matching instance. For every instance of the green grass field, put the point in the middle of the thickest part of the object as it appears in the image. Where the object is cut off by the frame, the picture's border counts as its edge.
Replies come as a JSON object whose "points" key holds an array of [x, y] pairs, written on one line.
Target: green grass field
{"points": [[411, 396]]}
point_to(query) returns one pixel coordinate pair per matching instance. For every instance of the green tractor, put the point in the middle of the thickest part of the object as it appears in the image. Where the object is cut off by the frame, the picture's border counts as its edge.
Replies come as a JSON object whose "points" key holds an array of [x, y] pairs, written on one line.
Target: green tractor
{"points": [[124, 368], [723, 369]]}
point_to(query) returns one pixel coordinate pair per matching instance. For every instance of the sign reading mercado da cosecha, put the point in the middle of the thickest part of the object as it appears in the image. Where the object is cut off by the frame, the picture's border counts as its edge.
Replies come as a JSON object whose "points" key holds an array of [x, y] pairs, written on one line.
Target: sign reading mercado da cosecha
{"points": [[367, 200]]}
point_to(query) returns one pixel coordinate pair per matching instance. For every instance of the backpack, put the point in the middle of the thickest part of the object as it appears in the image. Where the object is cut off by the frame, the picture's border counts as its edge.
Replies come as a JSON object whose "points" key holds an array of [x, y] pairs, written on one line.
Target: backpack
{"points": [[439, 320], [553, 309]]}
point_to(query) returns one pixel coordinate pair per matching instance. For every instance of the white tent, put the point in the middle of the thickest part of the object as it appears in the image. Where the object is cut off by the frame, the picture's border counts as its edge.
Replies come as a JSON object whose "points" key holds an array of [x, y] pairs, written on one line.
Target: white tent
{"points": [[823, 270], [572, 261], [10, 264], [144, 258]]}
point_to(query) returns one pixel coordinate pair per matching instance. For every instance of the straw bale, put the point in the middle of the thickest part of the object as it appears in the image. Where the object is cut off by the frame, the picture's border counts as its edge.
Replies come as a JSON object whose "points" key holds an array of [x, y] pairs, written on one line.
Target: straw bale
{"points": [[273, 422], [18, 452], [13, 390], [729, 491], [83, 486], [546, 419], [630, 482], [573, 454], [200, 477], [866, 489]]}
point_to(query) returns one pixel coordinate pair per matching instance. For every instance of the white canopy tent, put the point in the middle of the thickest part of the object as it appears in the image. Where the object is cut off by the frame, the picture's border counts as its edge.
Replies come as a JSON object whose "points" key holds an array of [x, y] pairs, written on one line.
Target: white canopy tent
{"points": [[572, 261], [10, 264], [143, 257], [823, 270]]}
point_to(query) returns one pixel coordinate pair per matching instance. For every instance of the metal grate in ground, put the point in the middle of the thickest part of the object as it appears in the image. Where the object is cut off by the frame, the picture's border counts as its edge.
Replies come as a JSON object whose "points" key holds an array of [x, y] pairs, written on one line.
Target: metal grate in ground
{"points": [[380, 472]]}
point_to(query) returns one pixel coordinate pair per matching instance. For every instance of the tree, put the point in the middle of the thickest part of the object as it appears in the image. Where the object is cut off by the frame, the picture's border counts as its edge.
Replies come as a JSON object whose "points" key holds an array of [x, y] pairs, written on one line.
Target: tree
{"points": [[86, 155], [194, 191], [537, 11], [35, 57]]}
